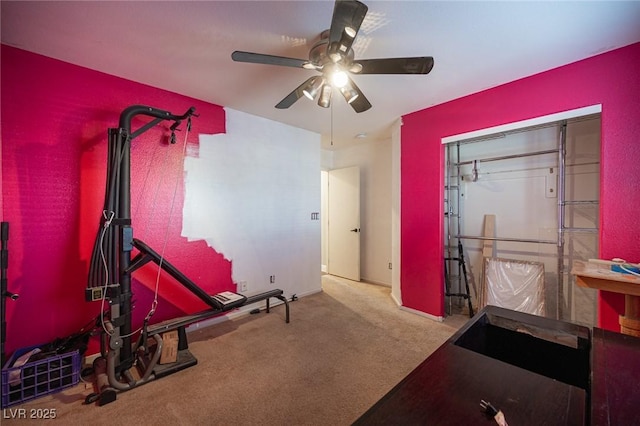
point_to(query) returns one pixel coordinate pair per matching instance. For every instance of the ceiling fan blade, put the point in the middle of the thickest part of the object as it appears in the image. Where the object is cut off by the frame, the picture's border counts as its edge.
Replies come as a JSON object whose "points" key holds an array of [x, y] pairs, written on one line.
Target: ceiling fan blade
{"points": [[347, 14], [259, 58], [417, 65], [292, 97], [361, 103]]}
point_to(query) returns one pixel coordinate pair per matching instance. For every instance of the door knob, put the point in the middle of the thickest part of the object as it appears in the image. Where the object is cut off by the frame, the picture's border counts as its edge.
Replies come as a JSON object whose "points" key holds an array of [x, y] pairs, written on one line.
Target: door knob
{"points": [[355, 230]]}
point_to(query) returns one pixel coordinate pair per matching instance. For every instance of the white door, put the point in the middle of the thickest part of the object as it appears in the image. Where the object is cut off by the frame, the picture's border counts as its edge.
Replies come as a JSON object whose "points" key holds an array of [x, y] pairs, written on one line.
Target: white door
{"points": [[344, 223]]}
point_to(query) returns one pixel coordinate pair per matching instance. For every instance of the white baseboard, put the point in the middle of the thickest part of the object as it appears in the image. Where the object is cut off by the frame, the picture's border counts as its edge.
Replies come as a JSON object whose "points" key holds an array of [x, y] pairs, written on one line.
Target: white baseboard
{"points": [[368, 281], [422, 314], [415, 311], [395, 299], [88, 359]]}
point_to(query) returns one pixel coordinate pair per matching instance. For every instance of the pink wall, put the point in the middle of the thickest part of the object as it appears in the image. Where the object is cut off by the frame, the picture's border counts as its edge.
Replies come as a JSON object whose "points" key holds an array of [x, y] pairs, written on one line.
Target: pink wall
{"points": [[611, 79], [54, 145]]}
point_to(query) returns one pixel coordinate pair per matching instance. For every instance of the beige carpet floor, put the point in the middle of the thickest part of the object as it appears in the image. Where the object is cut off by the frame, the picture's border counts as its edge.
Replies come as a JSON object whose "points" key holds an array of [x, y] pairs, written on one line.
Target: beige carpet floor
{"points": [[344, 349]]}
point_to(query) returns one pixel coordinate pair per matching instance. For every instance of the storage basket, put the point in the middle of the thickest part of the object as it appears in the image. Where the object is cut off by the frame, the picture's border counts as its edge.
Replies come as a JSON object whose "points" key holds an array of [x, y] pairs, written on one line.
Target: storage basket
{"points": [[38, 378]]}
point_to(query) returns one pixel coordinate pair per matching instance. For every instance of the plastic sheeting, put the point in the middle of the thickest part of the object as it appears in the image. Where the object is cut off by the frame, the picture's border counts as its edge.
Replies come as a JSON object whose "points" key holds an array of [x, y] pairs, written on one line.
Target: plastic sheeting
{"points": [[514, 284]]}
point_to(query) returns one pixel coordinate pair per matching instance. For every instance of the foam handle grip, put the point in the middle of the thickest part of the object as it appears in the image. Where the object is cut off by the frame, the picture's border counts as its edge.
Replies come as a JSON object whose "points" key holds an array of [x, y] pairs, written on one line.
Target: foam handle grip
{"points": [[4, 255]]}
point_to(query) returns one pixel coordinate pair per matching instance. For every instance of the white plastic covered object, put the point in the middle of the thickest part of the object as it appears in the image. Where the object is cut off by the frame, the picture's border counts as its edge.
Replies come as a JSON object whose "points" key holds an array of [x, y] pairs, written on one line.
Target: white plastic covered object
{"points": [[514, 284]]}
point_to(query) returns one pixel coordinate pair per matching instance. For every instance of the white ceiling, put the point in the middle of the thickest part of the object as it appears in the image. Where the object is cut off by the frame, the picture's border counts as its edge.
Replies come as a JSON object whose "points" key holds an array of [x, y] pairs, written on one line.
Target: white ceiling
{"points": [[186, 47]]}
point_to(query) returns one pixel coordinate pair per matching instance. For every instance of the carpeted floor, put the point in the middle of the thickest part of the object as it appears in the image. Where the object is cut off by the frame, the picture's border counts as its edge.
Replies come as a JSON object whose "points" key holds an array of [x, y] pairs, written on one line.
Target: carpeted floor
{"points": [[344, 349]]}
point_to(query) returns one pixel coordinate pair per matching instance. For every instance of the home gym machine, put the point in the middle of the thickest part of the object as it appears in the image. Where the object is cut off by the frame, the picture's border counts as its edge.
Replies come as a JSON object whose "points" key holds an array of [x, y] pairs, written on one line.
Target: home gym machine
{"points": [[126, 362]]}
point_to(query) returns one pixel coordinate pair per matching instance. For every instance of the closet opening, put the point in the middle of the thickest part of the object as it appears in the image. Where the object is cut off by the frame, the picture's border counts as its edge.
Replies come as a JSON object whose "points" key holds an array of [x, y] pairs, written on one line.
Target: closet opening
{"points": [[521, 205]]}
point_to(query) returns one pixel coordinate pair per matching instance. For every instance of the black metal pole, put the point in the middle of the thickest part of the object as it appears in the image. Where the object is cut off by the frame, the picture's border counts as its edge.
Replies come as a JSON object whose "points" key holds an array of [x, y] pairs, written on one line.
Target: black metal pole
{"points": [[3, 287], [123, 229], [4, 291]]}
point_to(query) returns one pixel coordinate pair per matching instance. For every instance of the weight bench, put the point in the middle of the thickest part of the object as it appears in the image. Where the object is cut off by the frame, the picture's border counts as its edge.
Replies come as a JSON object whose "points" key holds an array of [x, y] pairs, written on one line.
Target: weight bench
{"points": [[147, 254]]}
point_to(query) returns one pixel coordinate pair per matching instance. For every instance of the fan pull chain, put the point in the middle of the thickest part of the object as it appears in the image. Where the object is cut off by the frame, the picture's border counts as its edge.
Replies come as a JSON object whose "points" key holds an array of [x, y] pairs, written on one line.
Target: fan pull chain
{"points": [[331, 124]]}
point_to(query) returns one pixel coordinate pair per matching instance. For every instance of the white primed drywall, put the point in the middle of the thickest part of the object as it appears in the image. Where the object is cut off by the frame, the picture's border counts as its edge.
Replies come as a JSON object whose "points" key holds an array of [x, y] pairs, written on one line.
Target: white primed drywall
{"points": [[250, 195], [324, 220]]}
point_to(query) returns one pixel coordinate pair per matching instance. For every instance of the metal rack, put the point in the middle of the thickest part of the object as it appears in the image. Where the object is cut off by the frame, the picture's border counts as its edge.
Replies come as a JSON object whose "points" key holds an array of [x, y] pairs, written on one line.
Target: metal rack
{"points": [[453, 210]]}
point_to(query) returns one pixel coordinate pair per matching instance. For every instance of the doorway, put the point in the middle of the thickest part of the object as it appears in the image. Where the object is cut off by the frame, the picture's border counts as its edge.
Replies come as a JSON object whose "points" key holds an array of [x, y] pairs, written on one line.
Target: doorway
{"points": [[341, 222]]}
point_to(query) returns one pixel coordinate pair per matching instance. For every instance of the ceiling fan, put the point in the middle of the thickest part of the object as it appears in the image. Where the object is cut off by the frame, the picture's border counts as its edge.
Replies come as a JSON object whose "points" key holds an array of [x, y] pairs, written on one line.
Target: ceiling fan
{"points": [[333, 57]]}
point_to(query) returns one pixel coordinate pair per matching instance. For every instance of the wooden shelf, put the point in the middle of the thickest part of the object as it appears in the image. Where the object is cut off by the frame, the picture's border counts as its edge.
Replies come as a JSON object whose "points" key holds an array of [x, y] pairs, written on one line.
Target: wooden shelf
{"points": [[600, 276]]}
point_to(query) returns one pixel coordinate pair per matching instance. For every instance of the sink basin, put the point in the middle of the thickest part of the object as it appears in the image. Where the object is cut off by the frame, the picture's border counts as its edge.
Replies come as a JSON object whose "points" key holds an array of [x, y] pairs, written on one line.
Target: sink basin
{"points": [[554, 349]]}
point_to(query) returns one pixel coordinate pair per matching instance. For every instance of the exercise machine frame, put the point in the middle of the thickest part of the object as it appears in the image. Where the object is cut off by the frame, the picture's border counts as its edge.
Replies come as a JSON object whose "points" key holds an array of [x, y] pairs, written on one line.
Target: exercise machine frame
{"points": [[112, 266], [4, 291]]}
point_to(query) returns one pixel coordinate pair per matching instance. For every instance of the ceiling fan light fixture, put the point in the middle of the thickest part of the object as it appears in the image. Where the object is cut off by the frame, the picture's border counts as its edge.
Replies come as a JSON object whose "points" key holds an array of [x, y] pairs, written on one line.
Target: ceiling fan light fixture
{"points": [[325, 96], [313, 88], [335, 57], [355, 68], [339, 78], [346, 40], [349, 94], [349, 32]]}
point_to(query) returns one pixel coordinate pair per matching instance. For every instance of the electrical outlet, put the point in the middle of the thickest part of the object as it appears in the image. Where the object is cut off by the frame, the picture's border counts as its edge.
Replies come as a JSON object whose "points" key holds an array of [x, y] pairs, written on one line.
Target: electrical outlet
{"points": [[272, 279], [242, 286]]}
